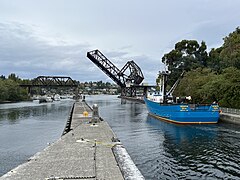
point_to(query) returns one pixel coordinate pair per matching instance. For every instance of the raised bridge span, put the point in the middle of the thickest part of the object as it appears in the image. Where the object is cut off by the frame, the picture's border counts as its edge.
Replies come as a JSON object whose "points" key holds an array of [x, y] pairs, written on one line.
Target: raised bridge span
{"points": [[129, 77]]}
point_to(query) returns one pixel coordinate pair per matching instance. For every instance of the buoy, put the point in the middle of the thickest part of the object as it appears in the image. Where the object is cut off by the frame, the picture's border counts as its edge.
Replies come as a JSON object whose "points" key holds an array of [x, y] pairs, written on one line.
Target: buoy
{"points": [[85, 113]]}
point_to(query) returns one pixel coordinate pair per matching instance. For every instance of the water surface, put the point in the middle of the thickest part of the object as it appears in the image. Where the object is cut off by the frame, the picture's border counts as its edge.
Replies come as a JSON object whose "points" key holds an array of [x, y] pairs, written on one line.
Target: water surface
{"points": [[27, 127], [160, 150], [167, 151]]}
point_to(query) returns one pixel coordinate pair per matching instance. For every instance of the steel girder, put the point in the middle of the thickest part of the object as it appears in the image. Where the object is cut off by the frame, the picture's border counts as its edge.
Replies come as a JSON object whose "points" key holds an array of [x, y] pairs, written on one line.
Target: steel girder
{"points": [[47, 81], [130, 73]]}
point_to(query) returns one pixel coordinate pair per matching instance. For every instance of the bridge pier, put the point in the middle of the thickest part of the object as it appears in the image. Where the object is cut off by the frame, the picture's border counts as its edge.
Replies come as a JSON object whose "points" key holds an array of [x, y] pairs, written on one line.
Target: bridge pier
{"points": [[129, 91], [135, 90]]}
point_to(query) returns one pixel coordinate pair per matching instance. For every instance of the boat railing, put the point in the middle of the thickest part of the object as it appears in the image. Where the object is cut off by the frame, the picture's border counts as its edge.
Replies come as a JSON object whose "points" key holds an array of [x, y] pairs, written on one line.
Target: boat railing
{"points": [[230, 110]]}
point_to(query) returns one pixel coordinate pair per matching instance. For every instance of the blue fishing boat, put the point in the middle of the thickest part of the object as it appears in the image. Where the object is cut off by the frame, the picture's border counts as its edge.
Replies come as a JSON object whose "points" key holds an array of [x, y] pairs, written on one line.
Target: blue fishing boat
{"points": [[164, 106]]}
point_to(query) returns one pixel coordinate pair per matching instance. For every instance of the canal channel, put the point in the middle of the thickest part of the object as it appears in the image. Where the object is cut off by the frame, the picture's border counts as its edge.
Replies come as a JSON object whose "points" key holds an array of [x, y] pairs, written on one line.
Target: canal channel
{"points": [[160, 150]]}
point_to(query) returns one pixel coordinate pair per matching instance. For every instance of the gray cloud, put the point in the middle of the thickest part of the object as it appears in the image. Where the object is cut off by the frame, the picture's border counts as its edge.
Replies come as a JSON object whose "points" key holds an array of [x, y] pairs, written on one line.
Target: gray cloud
{"points": [[54, 39], [24, 53], [28, 56]]}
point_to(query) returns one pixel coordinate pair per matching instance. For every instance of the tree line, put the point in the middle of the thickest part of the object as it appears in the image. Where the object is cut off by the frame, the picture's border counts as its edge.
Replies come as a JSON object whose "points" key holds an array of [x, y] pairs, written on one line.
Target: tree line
{"points": [[10, 90], [213, 76]]}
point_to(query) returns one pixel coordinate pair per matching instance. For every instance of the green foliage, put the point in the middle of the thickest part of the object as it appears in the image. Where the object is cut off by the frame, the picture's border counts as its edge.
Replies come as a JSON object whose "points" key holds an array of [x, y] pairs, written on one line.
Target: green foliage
{"points": [[192, 84], [228, 55], [206, 86], [2, 77], [3, 90], [10, 90], [214, 62], [14, 77], [96, 85], [210, 77], [231, 50], [186, 56]]}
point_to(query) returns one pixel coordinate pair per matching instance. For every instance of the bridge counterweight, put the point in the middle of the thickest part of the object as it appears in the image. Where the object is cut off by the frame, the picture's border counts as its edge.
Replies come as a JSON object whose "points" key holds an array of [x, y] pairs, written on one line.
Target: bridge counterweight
{"points": [[120, 77]]}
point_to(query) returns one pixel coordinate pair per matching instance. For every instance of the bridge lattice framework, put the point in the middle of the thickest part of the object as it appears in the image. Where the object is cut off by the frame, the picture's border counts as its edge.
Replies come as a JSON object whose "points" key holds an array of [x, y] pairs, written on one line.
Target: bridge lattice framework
{"points": [[51, 81], [128, 78]]}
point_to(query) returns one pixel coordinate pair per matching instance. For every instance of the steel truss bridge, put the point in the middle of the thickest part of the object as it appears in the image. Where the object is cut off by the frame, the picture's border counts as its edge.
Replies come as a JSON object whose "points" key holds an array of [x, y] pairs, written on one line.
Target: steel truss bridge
{"points": [[50, 81], [128, 78]]}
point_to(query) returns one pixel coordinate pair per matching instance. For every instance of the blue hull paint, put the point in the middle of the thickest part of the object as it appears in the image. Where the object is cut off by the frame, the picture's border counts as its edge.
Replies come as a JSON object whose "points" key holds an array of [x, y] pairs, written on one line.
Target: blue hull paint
{"points": [[184, 113]]}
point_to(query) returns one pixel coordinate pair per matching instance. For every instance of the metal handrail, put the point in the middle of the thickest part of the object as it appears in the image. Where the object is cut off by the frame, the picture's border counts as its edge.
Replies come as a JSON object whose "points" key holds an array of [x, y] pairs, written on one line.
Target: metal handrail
{"points": [[230, 110]]}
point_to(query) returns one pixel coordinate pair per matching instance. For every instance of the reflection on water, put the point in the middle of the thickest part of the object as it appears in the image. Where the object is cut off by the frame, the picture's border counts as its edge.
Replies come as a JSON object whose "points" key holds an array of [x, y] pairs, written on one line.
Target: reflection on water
{"points": [[168, 151], [160, 150], [27, 127], [197, 151], [13, 113], [184, 134]]}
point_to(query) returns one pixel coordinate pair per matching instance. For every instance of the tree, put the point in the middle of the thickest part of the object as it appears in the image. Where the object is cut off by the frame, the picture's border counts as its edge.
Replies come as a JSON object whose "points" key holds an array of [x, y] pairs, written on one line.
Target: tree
{"points": [[10, 90], [214, 61], [13, 77], [213, 77], [3, 90], [206, 86], [186, 56], [193, 83], [2, 77], [228, 55]]}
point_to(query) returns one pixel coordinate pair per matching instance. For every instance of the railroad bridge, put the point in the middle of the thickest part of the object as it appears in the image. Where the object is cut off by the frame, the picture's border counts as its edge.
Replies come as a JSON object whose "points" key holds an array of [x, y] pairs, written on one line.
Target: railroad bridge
{"points": [[51, 81], [128, 78]]}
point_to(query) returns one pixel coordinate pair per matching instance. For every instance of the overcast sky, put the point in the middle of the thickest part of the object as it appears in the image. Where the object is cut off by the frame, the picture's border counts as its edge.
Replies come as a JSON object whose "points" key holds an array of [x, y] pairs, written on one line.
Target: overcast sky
{"points": [[52, 37]]}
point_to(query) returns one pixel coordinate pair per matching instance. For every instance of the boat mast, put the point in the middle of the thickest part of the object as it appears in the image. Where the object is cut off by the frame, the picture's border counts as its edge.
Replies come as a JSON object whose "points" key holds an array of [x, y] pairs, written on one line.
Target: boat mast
{"points": [[164, 84]]}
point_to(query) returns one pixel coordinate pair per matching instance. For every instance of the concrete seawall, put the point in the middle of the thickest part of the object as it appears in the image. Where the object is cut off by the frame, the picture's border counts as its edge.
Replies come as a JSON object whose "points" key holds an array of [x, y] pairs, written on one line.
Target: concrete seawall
{"points": [[230, 118], [87, 150]]}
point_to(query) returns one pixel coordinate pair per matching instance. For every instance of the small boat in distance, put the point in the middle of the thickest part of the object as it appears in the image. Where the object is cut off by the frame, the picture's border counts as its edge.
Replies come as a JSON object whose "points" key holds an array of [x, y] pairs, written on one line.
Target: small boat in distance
{"points": [[164, 106]]}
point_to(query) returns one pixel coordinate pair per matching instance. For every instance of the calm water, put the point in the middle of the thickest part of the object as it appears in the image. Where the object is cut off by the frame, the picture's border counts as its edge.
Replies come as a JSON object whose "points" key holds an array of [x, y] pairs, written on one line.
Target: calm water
{"points": [[160, 150], [26, 128], [168, 151]]}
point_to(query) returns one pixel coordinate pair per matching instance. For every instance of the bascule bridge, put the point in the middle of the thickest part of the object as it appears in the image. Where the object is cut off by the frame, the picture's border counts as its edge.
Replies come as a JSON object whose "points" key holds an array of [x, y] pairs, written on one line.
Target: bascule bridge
{"points": [[128, 78]]}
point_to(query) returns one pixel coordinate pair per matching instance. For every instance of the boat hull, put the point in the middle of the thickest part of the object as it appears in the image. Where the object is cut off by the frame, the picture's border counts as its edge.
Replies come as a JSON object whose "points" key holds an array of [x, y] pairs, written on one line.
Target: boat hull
{"points": [[183, 113]]}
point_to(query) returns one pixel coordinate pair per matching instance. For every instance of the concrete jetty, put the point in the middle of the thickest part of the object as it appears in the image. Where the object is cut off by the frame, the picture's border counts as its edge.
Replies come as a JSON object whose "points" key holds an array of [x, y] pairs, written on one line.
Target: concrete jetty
{"points": [[230, 118], [85, 152]]}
